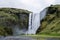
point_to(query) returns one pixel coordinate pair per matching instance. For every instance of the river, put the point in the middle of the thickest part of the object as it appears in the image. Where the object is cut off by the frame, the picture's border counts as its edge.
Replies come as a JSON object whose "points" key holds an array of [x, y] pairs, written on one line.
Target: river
{"points": [[28, 38]]}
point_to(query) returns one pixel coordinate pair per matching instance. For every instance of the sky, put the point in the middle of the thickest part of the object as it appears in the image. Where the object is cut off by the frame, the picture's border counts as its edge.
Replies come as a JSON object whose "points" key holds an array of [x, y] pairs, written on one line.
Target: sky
{"points": [[32, 5]]}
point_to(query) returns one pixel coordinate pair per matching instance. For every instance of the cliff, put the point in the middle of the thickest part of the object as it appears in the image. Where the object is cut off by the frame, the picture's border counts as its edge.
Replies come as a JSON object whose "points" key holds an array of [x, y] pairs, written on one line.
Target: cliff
{"points": [[10, 17], [51, 23]]}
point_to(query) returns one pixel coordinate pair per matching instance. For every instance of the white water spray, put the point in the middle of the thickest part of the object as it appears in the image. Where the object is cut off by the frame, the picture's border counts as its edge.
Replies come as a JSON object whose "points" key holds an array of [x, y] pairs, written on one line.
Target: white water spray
{"points": [[18, 31]]}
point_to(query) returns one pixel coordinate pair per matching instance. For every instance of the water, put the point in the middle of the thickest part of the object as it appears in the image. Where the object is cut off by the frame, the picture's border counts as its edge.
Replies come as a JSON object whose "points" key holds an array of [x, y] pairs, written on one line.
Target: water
{"points": [[43, 13], [34, 23], [28, 38], [17, 31], [18, 38]]}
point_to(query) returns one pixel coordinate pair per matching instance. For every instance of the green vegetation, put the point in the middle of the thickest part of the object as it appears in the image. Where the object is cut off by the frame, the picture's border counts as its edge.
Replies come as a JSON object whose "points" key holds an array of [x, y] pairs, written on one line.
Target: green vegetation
{"points": [[43, 37], [50, 25], [5, 31], [10, 17]]}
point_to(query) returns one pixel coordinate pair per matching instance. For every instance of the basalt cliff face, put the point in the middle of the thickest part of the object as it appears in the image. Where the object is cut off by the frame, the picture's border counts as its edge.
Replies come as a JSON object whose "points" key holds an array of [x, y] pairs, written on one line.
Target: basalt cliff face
{"points": [[10, 17], [50, 24]]}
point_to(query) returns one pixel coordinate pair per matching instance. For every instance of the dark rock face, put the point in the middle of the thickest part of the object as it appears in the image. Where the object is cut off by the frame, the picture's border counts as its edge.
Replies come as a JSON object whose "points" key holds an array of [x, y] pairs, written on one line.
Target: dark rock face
{"points": [[24, 19], [9, 17], [51, 23]]}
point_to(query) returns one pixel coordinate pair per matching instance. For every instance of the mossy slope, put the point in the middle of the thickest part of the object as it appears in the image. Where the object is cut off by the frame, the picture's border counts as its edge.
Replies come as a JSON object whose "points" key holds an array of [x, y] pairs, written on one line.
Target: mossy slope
{"points": [[10, 17], [51, 23]]}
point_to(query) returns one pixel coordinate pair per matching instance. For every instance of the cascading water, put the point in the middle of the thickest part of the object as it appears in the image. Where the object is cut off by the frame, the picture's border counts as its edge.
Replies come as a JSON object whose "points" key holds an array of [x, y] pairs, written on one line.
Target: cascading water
{"points": [[34, 23], [43, 13]]}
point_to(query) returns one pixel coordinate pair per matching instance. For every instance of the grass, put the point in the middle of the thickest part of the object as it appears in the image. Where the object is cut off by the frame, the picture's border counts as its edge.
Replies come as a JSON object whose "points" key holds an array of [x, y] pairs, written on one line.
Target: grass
{"points": [[43, 37]]}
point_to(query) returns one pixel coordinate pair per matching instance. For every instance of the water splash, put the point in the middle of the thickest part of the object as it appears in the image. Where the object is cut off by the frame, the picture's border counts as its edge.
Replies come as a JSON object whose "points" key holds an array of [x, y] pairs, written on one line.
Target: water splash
{"points": [[18, 31]]}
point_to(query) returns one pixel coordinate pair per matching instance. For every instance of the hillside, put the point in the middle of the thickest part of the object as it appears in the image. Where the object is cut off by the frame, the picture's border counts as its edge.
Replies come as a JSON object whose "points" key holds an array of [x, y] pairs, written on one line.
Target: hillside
{"points": [[10, 17], [51, 23]]}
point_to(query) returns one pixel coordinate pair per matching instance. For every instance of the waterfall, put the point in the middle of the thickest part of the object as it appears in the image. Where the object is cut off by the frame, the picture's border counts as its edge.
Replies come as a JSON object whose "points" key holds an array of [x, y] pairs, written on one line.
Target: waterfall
{"points": [[34, 23], [43, 13]]}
